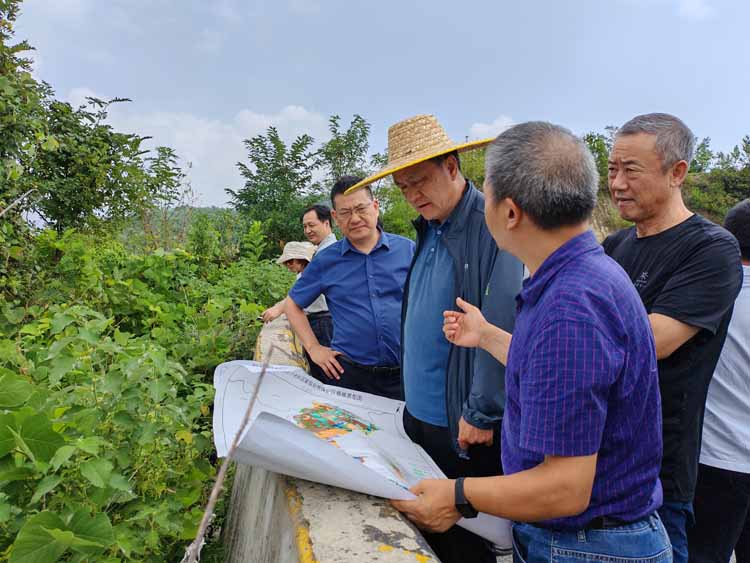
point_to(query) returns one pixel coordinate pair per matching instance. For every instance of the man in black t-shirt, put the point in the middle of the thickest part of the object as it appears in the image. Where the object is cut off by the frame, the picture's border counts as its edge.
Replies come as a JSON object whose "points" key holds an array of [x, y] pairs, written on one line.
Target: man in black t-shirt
{"points": [[688, 273]]}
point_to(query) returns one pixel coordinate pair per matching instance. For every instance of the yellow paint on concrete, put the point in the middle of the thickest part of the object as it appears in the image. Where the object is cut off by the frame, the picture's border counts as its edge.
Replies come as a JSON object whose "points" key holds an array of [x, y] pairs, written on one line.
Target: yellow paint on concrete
{"points": [[301, 530], [421, 558], [386, 548]]}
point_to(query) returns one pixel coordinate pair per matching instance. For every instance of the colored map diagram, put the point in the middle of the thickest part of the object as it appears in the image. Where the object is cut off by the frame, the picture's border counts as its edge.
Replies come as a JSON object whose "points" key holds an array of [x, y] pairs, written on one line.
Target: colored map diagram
{"points": [[326, 434], [329, 422]]}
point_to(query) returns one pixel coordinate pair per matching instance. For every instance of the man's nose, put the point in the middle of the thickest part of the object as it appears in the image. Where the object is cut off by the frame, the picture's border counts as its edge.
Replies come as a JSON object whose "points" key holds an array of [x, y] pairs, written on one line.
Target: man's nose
{"points": [[618, 182]]}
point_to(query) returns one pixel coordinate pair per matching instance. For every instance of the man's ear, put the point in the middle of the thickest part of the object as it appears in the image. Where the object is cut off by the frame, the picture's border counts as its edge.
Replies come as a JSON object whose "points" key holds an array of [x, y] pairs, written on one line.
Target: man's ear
{"points": [[513, 214], [376, 203], [452, 166], [333, 214], [678, 173]]}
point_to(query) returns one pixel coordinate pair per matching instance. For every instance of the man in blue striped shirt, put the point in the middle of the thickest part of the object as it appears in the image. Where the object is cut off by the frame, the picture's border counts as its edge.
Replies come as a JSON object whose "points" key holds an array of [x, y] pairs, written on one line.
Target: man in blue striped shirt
{"points": [[581, 439]]}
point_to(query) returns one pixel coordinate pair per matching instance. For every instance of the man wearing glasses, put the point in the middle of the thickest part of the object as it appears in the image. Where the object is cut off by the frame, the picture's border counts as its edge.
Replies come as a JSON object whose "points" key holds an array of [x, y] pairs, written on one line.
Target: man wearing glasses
{"points": [[362, 278]]}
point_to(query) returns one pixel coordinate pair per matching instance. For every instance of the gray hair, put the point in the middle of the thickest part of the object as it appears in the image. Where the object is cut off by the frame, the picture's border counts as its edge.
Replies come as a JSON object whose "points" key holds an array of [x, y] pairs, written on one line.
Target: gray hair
{"points": [[546, 170], [674, 140]]}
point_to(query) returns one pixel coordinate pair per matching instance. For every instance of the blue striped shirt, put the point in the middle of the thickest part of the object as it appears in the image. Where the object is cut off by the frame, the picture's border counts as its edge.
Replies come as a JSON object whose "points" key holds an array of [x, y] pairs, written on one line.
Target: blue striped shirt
{"points": [[582, 379]]}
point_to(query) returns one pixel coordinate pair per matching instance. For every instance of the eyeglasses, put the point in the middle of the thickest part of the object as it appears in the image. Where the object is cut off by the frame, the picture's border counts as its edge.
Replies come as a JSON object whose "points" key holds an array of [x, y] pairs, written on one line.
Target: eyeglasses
{"points": [[363, 210]]}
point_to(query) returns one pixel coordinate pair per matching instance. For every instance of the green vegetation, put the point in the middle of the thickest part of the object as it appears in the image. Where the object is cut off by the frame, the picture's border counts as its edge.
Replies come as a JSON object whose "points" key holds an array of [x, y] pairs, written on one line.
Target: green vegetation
{"points": [[118, 299]]}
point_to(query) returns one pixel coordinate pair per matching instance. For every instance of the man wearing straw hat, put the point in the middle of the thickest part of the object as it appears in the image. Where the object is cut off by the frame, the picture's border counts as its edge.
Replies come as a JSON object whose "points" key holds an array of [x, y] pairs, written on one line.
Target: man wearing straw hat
{"points": [[454, 396]]}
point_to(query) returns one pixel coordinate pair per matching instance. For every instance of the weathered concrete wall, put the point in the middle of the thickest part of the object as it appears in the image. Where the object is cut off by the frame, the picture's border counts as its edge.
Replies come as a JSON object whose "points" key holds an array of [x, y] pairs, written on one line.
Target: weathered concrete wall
{"points": [[273, 518]]}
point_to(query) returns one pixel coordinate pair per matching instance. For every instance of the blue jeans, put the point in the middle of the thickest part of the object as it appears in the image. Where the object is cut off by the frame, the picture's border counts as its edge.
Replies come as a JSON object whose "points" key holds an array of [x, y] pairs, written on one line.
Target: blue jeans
{"points": [[677, 517], [644, 541]]}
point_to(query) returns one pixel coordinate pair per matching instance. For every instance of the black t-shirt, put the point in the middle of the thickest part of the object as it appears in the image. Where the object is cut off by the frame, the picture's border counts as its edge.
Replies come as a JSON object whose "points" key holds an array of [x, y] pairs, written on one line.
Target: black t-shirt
{"points": [[692, 273]]}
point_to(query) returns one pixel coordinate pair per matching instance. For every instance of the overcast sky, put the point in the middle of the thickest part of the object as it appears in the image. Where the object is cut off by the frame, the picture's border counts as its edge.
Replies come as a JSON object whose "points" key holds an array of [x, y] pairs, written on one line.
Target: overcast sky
{"points": [[206, 74]]}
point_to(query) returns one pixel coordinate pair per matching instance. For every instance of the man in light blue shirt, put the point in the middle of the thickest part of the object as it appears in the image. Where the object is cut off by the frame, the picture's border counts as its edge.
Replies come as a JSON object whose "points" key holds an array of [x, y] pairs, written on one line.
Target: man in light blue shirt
{"points": [[362, 277]]}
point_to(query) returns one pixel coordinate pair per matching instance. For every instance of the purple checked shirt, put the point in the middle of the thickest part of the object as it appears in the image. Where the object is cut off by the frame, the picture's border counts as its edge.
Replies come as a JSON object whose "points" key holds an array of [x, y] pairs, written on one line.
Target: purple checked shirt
{"points": [[582, 379]]}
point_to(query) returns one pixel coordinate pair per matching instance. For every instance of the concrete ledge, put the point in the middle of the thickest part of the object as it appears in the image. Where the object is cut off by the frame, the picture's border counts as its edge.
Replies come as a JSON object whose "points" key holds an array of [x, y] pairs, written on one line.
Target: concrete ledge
{"points": [[273, 518]]}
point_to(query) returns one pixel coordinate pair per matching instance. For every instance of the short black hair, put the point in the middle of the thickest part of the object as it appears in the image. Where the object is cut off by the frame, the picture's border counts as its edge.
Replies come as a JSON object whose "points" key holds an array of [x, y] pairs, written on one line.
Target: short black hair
{"points": [[343, 184], [737, 222], [322, 212], [443, 157]]}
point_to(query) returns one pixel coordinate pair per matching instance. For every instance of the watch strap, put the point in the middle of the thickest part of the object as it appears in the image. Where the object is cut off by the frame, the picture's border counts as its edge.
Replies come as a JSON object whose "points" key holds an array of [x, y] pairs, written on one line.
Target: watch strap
{"points": [[463, 505]]}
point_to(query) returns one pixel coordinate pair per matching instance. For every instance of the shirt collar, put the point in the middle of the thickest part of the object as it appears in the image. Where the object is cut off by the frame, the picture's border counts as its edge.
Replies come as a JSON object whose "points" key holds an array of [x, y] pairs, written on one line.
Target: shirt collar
{"points": [[460, 213], [328, 241], [534, 286], [384, 240]]}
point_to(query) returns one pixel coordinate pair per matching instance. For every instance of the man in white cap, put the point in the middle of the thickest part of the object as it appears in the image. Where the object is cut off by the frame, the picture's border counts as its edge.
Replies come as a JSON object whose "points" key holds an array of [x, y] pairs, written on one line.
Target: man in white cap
{"points": [[454, 396]]}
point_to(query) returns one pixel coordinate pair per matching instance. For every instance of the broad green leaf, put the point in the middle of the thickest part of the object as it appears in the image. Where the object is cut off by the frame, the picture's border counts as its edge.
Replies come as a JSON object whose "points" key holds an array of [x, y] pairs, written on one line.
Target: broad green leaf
{"points": [[32, 329], [158, 389], [23, 446], [88, 335], [61, 366], [61, 456], [122, 337], [42, 440], [124, 419], [9, 471], [117, 481], [57, 347], [96, 530], [14, 390], [14, 315], [34, 545], [91, 444], [4, 511], [7, 441], [44, 487], [97, 471], [148, 433], [71, 540], [60, 321]]}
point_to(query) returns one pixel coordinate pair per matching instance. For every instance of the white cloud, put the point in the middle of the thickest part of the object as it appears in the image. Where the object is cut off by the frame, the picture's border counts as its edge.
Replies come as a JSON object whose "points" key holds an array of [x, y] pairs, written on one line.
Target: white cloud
{"points": [[212, 146], [486, 130]]}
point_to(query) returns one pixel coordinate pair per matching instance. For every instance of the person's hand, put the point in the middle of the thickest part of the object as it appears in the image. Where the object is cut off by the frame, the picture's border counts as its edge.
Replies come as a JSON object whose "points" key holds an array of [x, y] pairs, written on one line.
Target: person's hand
{"points": [[272, 313], [326, 359], [464, 328], [434, 509], [469, 435]]}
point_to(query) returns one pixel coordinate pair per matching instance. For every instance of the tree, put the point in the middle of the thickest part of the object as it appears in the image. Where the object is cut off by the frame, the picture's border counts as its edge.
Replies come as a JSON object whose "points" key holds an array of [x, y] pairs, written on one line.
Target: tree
{"points": [[23, 130], [599, 146], [277, 183], [96, 175], [345, 153], [703, 157]]}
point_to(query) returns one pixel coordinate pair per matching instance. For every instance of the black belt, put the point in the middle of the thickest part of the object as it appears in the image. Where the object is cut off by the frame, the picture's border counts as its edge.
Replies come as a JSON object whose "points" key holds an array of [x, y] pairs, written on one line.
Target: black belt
{"points": [[604, 523], [318, 315], [387, 370]]}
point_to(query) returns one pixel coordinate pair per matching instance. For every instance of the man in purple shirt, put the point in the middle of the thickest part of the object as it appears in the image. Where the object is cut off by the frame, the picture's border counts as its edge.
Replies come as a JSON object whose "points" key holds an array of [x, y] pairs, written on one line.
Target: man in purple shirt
{"points": [[581, 436]]}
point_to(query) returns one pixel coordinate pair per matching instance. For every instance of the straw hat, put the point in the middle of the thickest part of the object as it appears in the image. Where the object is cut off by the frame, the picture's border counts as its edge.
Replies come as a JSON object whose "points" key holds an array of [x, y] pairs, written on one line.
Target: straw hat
{"points": [[299, 250], [415, 140]]}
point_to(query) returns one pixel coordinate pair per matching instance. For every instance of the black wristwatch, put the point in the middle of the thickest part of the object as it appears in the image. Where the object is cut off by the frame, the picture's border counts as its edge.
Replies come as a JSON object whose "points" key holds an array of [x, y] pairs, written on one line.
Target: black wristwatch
{"points": [[462, 503]]}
